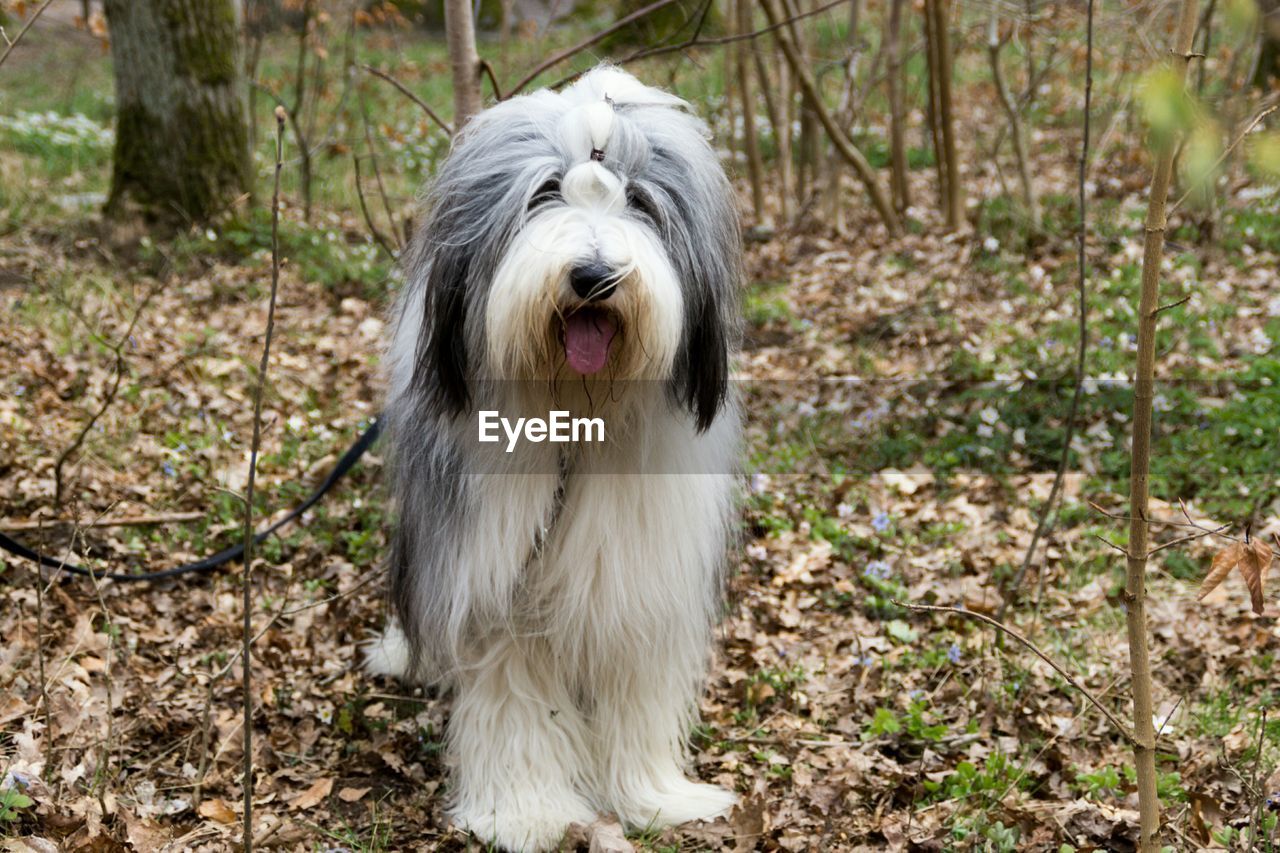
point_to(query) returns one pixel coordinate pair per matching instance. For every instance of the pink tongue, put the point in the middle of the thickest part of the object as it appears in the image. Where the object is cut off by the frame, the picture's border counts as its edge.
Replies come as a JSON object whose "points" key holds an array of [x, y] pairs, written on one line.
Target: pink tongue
{"points": [[587, 335]]}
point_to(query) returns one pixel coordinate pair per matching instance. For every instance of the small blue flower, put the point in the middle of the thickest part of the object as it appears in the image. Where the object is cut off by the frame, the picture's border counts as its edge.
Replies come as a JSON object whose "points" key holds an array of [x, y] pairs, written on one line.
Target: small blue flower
{"points": [[22, 780], [880, 523], [168, 470], [953, 653], [878, 569]]}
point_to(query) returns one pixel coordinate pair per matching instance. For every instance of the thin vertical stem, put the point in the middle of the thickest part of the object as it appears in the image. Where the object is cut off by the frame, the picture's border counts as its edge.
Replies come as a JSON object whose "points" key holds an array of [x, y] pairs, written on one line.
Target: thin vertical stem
{"points": [[1045, 522], [246, 627], [1135, 592]]}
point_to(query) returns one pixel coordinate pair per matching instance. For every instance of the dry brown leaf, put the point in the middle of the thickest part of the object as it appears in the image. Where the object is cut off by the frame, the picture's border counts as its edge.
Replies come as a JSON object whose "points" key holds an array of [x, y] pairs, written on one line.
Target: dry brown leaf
{"points": [[1253, 559], [145, 836], [31, 844], [314, 795], [217, 810], [750, 821], [1223, 562], [351, 795]]}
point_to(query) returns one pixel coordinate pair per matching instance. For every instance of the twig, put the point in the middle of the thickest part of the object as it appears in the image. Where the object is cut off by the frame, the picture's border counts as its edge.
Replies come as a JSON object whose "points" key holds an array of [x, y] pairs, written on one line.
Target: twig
{"points": [[487, 68], [404, 90], [377, 174], [363, 582], [1000, 626], [22, 32], [300, 136], [44, 686], [569, 53], [1191, 538], [109, 629], [1105, 541], [1167, 522], [1163, 308], [364, 210], [246, 665], [1259, 811], [1227, 153], [1044, 524], [123, 521], [206, 728], [107, 399], [696, 41]]}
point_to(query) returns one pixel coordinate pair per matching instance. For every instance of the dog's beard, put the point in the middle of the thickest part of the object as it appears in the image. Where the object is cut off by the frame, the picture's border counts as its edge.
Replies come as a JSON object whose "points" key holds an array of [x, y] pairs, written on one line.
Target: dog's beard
{"points": [[581, 355]]}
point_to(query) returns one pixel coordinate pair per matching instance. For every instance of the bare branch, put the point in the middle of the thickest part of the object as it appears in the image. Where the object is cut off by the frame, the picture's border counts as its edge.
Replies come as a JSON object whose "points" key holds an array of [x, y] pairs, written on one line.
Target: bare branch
{"points": [[364, 209], [487, 68], [696, 41], [22, 32], [404, 90], [1070, 679], [123, 521], [838, 137], [107, 400], [1257, 119], [569, 53]]}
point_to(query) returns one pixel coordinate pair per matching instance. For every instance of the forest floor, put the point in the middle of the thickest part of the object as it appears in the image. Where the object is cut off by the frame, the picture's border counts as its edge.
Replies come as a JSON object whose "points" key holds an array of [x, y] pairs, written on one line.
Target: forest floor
{"points": [[846, 720]]}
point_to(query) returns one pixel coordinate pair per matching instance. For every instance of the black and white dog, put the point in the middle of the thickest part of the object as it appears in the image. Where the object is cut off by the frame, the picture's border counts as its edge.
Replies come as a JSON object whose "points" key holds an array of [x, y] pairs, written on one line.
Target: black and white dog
{"points": [[579, 252]]}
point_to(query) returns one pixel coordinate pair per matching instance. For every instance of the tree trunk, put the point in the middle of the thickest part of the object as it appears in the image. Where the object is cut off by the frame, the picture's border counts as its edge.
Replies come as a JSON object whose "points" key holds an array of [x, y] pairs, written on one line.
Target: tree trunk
{"points": [[955, 192], [806, 147], [786, 108], [897, 116], [1135, 588], [460, 31], [181, 135], [932, 71], [834, 178], [850, 152], [750, 143], [1016, 132]]}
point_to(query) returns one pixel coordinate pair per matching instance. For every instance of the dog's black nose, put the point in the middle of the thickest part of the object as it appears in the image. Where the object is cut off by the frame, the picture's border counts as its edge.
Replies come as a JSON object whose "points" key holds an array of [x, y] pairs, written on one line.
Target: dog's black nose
{"points": [[593, 282]]}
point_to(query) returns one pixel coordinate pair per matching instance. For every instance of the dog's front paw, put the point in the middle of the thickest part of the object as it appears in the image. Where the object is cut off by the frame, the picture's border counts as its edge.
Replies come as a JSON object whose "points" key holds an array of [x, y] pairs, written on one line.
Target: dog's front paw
{"points": [[674, 801], [526, 823], [387, 653]]}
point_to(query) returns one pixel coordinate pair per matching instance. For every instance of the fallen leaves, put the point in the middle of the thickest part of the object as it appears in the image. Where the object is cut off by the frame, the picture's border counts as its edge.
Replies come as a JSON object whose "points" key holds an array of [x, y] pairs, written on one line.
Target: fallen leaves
{"points": [[313, 796], [216, 809], [1252, 559], [602, 836], [353, 795]]}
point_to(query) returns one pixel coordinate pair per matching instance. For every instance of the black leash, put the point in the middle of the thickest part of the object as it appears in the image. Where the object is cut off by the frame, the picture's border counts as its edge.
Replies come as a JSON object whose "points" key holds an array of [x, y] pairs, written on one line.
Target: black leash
{"points": [[345, 464]]}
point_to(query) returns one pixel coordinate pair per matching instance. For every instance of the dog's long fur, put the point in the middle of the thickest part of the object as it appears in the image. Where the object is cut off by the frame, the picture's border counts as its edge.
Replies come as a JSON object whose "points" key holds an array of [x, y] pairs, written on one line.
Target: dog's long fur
{"points": [[566, 594]]}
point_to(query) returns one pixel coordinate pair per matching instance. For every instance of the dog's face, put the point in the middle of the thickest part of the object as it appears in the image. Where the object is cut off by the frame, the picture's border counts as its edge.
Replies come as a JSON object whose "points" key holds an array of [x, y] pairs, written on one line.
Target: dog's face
{"points": [[587, 236]]}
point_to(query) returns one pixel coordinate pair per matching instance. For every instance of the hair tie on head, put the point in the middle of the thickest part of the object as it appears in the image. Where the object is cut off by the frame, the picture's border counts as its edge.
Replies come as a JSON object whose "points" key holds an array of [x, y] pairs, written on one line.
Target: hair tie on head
{"points": [[597, 154]]}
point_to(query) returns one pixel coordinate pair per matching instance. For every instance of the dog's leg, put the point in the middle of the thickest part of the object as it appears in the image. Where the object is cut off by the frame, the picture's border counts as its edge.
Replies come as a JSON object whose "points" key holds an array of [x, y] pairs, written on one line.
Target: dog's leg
{"points": [[516, 743], [640, 723]]}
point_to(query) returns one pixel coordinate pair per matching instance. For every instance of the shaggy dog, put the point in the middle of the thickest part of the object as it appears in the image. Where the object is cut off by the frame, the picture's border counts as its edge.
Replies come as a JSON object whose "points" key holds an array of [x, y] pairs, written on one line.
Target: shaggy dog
{"points": [[579, 253]]}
